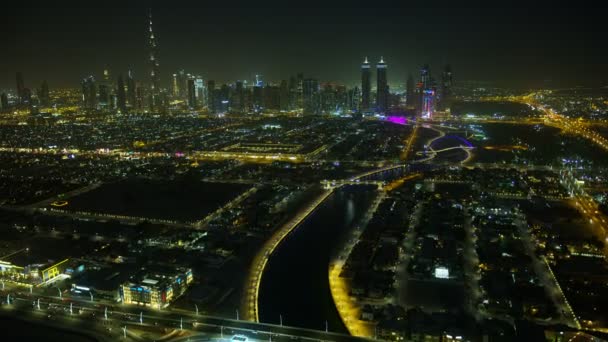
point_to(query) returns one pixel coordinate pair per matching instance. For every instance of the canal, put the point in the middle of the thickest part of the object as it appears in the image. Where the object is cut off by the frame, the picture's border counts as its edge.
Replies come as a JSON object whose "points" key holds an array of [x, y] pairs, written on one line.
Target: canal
{"points": [[295, 284]]}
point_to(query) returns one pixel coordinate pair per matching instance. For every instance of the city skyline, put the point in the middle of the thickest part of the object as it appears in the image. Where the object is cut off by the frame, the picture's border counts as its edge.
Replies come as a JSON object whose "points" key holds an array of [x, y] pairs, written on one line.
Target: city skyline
{"points": [[260, 173], [235, 44]]}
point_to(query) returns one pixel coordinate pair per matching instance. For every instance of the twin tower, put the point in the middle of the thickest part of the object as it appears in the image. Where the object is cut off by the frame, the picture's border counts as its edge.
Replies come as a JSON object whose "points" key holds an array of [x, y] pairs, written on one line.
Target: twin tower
{"points": [[382, 93]]}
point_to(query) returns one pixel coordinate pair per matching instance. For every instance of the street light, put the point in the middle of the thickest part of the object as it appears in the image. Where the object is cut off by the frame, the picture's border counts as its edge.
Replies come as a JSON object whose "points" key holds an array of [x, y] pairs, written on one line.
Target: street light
{"points": [[59, 290], [91, 293], [196, 308]]}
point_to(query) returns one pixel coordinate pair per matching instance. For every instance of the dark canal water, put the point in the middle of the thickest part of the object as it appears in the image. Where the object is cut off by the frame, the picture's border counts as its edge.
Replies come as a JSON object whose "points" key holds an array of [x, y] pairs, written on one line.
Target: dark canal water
{"points": [[295, 283]]}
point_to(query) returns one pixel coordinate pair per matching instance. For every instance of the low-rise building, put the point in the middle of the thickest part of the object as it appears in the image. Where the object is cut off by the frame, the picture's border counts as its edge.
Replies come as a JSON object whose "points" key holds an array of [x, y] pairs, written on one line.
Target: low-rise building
{"points": [[156, 289]]}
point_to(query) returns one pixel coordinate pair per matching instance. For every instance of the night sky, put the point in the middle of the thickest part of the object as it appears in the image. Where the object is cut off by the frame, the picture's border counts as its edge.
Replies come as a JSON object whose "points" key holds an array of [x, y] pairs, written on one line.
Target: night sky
{"points": [[525, 47]]}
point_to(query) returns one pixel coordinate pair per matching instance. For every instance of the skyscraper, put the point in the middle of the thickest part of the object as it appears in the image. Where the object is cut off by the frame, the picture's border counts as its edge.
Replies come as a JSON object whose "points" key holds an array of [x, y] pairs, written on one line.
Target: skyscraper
{"points": [[238, 98], [191, 93], [223, 99], [131, 90], [365, 85], [27, 97], [89, 93], [211, 101], [284, 96], [104, 96], [43, 94], [259, 80], [121, 95], [425, 76], [199, 91], [182, 85], [20, 87], [4, 102], [428, 103], [293, 93], [445, 91], [258, 98], [354, 97], [155, 99], [427, 93], [381, 87], [272, 97], [409, 91], [175, 86], [311, 96], [328, 103]]}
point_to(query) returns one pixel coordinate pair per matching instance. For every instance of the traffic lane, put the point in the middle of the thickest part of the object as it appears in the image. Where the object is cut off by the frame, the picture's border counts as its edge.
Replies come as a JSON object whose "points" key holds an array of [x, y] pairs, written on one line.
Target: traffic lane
{"points": [[174, 320]]}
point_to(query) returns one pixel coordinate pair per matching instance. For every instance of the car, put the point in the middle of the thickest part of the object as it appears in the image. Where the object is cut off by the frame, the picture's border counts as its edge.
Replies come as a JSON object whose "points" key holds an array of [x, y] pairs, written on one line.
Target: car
{"points": [[239, 338]]}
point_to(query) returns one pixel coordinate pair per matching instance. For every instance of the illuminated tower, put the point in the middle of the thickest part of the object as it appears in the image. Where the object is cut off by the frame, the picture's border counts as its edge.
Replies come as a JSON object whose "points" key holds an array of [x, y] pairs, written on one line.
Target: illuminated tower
{"points": [[381, 87], [155, 99], [365, 85], [199, 87], [428, 103], [424, 92], [175, 86]]}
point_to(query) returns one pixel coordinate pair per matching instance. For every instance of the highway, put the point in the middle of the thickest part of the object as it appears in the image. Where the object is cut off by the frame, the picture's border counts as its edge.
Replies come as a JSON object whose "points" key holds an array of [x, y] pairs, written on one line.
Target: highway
{"points": [[102, 316]]}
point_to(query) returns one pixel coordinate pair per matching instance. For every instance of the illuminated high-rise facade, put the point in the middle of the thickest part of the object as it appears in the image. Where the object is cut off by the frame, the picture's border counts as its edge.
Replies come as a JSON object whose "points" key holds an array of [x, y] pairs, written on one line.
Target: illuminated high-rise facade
{"points": [[155, 98], [426, 93], [365, 85], [381, 87], [428, 103], [175, 86], [199, 90]]}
